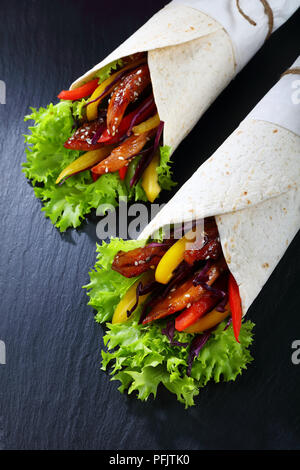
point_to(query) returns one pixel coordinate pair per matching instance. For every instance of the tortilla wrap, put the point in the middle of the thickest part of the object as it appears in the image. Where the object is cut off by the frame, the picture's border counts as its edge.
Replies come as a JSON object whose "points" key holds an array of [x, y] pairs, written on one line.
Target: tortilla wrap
{"points": [[251, 185], [190, 59], [194, 54]]}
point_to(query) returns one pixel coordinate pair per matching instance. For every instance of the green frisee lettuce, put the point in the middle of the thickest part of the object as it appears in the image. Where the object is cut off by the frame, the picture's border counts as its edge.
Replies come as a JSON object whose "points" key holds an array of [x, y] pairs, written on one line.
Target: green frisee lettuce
{"points": [[67, 204], [141, 357]]}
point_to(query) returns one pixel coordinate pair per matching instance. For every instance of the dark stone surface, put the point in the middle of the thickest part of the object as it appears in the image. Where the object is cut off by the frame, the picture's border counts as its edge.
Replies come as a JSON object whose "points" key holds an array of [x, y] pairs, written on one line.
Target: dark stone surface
{"points": [[53, 394]]}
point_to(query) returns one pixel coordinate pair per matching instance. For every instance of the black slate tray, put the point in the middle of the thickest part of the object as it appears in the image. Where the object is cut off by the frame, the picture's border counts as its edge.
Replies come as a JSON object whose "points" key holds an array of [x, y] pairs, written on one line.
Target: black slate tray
{"points": [[53, 394]]}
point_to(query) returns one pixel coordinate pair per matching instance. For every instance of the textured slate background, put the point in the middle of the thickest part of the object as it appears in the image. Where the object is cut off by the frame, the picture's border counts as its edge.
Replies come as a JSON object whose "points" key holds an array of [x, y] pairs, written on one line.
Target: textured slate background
{"points": [[53, 395]]}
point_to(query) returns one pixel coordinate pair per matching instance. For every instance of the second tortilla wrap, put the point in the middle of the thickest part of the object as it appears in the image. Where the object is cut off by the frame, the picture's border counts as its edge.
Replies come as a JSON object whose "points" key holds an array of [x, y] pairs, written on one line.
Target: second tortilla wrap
{"points": [[190, 59], [251, 185]]}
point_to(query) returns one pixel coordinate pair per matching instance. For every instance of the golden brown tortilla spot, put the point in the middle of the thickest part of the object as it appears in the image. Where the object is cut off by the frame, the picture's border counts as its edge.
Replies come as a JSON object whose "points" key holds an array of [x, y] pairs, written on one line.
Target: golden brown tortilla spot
{"points": [[265, 265], [192, 28], [275, 130], [270, 217], [228, 259], [225, 245], [227, 172], [287, 242], [245, 193], [239, 132], [248, 201]]}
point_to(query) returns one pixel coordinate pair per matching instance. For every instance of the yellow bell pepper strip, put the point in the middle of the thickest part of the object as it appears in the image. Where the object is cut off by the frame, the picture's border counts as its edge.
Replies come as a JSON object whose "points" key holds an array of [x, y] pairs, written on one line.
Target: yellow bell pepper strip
{"points": [[235, 306], [150, 179], [92, 108], [208, 321], [129, 299], [145, 126], [84, 162], [81, 92], [172, 258]]}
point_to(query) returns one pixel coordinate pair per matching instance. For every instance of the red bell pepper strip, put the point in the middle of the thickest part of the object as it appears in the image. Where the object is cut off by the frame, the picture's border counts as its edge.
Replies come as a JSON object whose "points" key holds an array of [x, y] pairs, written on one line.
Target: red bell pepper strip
{"points": [[94, 176], [108, 139], [123, 172], [81, 92], [195, 311], [235, 306]]}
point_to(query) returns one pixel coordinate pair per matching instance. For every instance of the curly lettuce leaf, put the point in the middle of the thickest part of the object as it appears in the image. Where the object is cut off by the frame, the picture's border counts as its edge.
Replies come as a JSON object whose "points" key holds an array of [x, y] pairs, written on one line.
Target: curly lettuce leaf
{"points": [[141, 357], [108, 69], [107, 286], [67, 205], [164, 169]]}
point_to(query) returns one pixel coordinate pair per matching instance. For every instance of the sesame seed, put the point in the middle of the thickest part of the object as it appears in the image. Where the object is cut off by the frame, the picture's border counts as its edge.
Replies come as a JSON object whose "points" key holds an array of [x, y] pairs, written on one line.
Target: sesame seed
{"points": [[188, 305]]}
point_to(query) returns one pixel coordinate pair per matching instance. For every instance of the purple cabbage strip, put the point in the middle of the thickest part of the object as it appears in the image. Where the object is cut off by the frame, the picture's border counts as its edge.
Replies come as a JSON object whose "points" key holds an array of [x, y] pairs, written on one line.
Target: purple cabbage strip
{"points": [[202, 275], [179, 274], [146, 159], [140, 291], [197, 344], [155, 244], [148, 304], [186, 227], [98, 133], [140, 166], [111, 85], [228, 323], [148, 102], [169, 331]]}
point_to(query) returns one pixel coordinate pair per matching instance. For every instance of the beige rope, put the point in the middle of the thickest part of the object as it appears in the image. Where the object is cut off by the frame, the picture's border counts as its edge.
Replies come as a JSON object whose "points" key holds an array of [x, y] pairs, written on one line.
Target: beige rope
{"points": [[268, 12], [295, 71]]}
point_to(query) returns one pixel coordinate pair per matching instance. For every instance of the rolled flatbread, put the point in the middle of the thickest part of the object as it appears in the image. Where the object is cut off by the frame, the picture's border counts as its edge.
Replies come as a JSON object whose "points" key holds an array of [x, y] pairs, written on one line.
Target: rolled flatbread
{"points": [[251, 186], [192, 56]]}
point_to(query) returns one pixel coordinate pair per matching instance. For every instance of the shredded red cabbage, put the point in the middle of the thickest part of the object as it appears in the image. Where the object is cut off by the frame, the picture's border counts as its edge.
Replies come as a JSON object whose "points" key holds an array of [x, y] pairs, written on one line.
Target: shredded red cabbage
{"points": [[169, 331], [202, 275], [98, 133], [197, 344], [146, 159], [147, 103], [110, 86], [140, 291], [154, 244], [228, 323]]}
